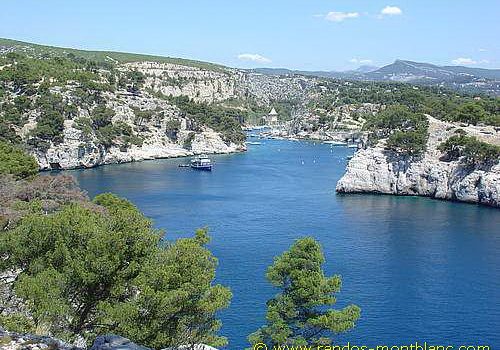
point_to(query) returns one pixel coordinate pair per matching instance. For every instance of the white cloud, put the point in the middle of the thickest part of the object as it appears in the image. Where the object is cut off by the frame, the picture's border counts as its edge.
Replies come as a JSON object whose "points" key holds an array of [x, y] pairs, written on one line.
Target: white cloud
{"points": [[361, 61], [340, 16], [254, 58], [391, 11], [482, 50], [463, 61]]}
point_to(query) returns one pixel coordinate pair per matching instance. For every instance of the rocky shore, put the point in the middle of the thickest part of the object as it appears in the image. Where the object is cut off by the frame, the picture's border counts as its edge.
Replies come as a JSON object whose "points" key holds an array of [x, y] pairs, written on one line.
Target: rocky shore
{"points": [[74, 153], [17, 341], [377, 170]]}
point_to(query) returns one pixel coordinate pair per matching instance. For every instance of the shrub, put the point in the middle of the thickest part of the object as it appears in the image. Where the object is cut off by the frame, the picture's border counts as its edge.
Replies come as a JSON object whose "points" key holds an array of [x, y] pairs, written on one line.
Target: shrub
{"points": [[470, 150], [407, 142], [406, 132], [101, 116], [14, 161]]}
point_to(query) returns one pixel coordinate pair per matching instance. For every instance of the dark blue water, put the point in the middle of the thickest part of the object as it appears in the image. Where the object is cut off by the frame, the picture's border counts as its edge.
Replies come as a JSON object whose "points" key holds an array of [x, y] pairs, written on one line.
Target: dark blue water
{"points": [[420, 269]]}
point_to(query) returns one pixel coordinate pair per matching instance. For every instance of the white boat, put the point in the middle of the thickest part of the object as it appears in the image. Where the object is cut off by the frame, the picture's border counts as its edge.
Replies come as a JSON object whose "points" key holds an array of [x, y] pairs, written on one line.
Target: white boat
{"points": [[253, 143], [336, 143], [201, 163], [354, 145]]}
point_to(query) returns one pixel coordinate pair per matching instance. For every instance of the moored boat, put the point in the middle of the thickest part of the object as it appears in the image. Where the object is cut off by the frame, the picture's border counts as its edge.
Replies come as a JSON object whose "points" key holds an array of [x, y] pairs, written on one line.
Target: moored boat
{"points": [[201, 163], [335, 143]]}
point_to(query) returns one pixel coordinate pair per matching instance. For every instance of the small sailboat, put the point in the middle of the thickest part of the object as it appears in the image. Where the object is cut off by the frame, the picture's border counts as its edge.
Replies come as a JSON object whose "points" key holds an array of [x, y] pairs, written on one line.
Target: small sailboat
{"points": [[201, 163]]}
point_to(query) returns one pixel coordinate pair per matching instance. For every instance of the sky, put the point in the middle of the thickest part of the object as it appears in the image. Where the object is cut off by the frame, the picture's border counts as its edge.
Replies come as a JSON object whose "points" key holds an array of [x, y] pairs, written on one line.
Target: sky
{"points": [[294, 34]]}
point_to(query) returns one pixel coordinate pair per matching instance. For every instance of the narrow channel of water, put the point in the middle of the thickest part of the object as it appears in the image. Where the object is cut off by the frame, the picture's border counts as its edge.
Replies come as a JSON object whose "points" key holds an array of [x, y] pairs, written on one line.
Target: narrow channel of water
{"points": [[420, 269]]}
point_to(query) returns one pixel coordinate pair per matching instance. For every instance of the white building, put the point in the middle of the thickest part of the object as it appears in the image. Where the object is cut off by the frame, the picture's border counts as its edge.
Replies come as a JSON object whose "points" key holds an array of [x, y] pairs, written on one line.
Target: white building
{"points": [[272, 117]]}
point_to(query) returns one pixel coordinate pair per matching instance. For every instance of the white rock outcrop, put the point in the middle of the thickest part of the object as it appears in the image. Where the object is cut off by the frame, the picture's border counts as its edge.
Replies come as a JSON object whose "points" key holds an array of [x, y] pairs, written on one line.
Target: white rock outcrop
{"points": [[376, 170], [85, 151], [74, 153]]}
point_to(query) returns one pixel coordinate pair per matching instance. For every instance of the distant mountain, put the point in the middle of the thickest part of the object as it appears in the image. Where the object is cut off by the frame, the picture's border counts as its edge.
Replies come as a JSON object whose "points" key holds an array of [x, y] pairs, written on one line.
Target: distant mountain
{"points": [[366, 69], [349, 74], [400, 70], [409, 71], [455, 77]]}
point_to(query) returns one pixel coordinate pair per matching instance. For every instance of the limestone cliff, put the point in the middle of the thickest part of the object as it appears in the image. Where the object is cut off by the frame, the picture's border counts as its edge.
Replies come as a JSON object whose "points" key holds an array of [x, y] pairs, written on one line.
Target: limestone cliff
{"points": [[54, 113], [377, 170], [78, 150]]}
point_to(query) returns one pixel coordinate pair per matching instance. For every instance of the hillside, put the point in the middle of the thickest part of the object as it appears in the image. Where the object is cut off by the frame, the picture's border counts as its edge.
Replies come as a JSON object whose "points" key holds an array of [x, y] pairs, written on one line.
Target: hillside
{"points": [[100, 56], [73, 108]]}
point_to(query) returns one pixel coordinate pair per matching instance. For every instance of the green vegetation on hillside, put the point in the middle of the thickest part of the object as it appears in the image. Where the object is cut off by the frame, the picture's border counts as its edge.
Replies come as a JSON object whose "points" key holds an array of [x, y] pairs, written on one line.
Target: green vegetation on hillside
{"points": [[84, 268], [53, 85], [470, 150], [14, 161], [107, 133], [222, 119], [88, 268], [441, 103], [103, 57], [300, 313], [406, 132], [50, 122], [21, 72]]}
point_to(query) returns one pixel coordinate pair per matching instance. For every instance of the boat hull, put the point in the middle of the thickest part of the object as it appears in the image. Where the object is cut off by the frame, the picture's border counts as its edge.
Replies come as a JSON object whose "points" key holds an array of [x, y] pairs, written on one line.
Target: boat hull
{"points": [[202, 167]]}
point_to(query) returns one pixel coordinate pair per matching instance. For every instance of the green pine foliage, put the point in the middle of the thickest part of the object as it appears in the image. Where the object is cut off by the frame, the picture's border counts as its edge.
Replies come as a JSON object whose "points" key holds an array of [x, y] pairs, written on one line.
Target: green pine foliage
{"points": [[438, 102], [107, 133], [470, 150], [100, 267], [406, 131], [222, 119], [301, 313], [14, 161]]}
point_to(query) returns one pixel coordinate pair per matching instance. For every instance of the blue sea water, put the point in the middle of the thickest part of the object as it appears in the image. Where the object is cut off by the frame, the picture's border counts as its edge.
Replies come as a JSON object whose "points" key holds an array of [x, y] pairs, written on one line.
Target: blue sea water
{"points": [[420, 269]]}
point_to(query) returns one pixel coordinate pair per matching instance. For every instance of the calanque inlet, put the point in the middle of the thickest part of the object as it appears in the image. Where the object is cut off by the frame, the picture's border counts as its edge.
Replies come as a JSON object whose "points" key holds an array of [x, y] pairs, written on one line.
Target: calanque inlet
{"points": [[85, 263], [116, 112]]}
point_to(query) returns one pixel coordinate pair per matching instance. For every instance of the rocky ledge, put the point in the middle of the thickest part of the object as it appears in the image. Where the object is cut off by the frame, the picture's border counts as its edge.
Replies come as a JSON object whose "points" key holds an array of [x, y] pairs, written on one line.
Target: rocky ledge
{"points": [[377, 170], [16, 341]]}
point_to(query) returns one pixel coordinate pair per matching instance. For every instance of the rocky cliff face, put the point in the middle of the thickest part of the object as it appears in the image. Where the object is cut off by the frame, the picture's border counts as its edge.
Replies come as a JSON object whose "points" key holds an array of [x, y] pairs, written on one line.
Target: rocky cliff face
{"points": [[198, 84], [376, 170], [147, 121], [158, 140]]}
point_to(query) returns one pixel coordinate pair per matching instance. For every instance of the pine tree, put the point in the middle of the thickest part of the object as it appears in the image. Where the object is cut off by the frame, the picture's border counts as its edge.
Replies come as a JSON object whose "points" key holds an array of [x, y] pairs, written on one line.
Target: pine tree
{"points": [[299, 313]]}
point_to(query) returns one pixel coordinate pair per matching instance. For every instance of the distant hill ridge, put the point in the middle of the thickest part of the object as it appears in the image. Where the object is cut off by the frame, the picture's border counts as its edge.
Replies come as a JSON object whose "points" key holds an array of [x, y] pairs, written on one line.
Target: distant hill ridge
{"points": [[432, 71], [103, 56], [457, 77]]}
